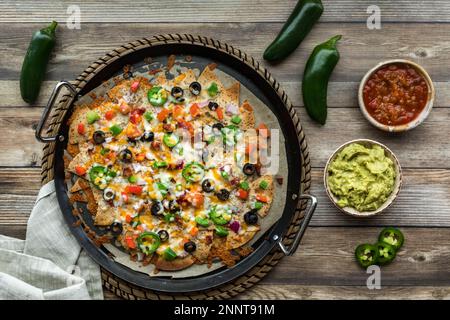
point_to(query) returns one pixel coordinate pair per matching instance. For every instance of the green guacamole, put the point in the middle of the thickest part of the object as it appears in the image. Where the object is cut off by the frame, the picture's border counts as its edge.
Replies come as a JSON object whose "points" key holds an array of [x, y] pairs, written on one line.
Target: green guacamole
{"points": [[361, 177]]}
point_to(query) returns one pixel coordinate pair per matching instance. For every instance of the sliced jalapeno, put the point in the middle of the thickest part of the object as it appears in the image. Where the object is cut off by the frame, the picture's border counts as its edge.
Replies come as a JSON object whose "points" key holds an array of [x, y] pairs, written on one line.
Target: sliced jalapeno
{"points": [[392, 236], [219, 216], [148, 242], [157, 96], [170, 140], [386, 253], [366, 255], [169, 254], [99, 176], [193, 172], [203, 222], [221, 231]]}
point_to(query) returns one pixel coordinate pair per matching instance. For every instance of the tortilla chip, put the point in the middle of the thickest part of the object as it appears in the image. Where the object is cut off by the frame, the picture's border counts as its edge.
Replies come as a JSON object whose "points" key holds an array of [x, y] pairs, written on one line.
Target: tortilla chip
{"points": [[79, 185], [235, 240], [174, 265], [207, 77], [247, 116], [229, 96], [78, 117], [203, 245], [183, 80], [80, 160], [73, 149]]}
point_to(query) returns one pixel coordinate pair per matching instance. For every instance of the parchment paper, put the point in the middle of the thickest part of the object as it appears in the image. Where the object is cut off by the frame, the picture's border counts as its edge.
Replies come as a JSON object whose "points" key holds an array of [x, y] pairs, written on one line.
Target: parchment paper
{"points": [[262, 114]]}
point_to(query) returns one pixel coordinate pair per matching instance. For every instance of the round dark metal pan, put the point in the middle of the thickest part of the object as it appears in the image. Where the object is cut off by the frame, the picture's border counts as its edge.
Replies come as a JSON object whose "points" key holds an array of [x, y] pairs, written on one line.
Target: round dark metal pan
{"points": [[261, 85]]}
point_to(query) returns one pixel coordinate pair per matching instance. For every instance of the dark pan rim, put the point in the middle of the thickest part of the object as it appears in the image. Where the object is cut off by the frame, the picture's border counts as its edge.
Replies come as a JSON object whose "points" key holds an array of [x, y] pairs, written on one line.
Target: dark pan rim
{"points": [[222, 276]]}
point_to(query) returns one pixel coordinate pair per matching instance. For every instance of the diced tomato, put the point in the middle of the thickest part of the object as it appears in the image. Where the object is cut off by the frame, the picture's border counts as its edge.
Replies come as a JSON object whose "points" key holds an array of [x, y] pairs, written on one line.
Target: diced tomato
{"points": [[140, 157], [194, 110], [135, 116], [163, 114], [134, 86], [124, 108], [196, 199], [128, 218], [262, 198], [263, 131], [242, 194], [109, 115], [219, 113], [79, 170], [81, 129], [140, 228], [130, 242], [178, 112], [186, 125], [133, 189], [194, 231]]}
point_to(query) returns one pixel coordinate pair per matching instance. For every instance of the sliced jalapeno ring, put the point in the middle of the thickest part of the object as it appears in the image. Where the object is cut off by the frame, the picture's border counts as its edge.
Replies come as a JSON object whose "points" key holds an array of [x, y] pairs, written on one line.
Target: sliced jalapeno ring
{"points": [[392, 236], [148, 242], [193, 172], [366, 255], [386, 253], [157, 96], [170, 140]]}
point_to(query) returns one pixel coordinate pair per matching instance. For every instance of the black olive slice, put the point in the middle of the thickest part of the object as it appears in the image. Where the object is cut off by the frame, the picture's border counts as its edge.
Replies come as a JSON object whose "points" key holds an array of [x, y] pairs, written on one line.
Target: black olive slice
{"points": [[219, 126], [98, 137], [223, 194], [177, 92], [116, 228], [207, 186], [195, 88], [148, 136], [212, 106], [249, 169], [157, 208], [126, 155], [251, 217], [163, 235], [108, 194], [190, 246]]}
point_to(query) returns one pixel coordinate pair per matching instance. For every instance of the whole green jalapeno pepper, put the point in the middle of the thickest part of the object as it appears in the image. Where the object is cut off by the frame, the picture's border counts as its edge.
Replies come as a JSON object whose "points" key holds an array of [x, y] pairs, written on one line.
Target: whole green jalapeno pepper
{"points": [[317, 72], [299, 24], [35, 62]]}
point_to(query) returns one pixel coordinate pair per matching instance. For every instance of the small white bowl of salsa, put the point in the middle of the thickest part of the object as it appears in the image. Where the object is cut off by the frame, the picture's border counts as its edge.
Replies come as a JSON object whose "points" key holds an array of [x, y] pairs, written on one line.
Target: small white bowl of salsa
{"points": [[396, 95]]}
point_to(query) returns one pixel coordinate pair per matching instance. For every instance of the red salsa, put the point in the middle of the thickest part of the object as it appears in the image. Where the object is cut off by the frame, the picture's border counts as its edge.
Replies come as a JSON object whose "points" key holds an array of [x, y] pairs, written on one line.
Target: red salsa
{"points": [[395, 94]]}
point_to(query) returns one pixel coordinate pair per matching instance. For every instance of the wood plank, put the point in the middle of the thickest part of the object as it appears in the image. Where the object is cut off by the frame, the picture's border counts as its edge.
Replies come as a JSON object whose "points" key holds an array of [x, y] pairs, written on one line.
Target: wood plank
{"points": [[300, 292], [221, 11], [325, 258], [10, 94], [423, 200], [360, 48], [419, 148]]}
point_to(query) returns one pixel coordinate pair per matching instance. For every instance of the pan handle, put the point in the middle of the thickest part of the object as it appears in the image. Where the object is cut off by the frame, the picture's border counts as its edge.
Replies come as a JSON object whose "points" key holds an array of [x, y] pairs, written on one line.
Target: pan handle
{"points": [[48, 109], [289, 251]]}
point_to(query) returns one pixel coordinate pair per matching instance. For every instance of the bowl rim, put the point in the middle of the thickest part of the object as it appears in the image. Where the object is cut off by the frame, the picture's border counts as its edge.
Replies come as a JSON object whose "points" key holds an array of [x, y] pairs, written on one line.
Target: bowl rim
{"points": [[392, 197], [423, 114]]}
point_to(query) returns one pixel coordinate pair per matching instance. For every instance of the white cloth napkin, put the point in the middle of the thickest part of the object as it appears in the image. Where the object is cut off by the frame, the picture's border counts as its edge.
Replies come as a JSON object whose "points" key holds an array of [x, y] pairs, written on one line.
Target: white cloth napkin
{"points": [[50, 263]]}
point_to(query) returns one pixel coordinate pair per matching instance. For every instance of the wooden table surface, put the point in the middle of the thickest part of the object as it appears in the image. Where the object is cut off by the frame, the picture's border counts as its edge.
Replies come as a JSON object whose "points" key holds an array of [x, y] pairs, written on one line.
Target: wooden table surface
{"points": [[323, 266]]}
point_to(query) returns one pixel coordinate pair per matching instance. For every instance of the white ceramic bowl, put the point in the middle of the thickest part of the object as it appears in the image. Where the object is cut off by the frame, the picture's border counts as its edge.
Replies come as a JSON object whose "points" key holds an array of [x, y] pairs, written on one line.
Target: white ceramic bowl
{"points": [[404, 127], [397, 184]]}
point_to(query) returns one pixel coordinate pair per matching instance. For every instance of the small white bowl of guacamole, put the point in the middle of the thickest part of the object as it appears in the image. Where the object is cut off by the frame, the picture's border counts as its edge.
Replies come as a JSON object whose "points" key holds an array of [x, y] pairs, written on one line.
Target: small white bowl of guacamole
{"points": [[362, 178]]}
